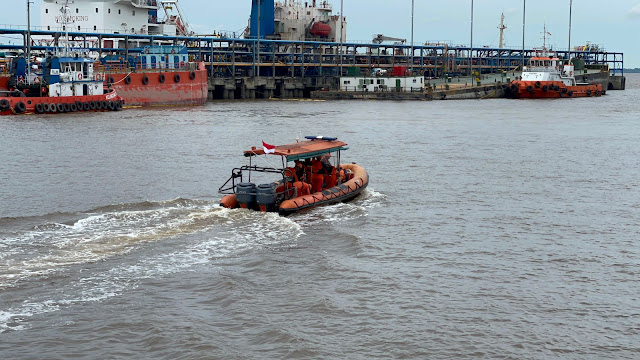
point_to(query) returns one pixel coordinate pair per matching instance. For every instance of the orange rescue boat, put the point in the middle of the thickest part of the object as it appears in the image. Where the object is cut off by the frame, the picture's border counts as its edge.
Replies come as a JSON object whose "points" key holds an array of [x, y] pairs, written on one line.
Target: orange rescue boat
{"points": [[311, 175]]}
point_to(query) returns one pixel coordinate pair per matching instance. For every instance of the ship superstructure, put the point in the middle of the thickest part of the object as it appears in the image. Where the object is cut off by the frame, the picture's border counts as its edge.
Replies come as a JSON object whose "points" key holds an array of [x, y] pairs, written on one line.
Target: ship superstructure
{"points": [[311, 20], [145, 17]]}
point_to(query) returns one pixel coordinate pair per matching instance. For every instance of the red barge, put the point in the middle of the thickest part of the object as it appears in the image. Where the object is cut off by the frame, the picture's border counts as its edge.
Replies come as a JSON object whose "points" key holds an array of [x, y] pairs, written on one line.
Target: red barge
{"points": [[158, 75]]}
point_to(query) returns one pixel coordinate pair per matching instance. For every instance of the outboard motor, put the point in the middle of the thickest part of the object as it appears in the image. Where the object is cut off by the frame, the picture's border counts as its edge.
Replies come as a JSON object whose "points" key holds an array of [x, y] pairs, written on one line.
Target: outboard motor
{"points": [[246, 195], [266, 197]]}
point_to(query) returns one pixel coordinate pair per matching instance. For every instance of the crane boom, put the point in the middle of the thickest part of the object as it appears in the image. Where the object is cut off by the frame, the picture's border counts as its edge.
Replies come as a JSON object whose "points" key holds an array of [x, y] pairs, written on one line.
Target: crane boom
{"points": [[379, 39]]}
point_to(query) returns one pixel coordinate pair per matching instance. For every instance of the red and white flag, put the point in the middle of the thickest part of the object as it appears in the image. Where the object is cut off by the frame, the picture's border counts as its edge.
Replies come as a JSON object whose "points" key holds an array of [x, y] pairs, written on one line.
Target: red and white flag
{"points": [[268, 149]]}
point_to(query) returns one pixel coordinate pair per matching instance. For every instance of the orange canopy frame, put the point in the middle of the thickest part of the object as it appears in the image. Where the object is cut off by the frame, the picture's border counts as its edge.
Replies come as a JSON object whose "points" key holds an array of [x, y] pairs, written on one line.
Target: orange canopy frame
{"points": [[302, 150]]}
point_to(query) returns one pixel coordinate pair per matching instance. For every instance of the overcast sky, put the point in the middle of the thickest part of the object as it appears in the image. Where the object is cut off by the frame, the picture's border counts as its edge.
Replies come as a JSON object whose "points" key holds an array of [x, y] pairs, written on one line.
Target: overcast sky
{"points": [[613, 24]]}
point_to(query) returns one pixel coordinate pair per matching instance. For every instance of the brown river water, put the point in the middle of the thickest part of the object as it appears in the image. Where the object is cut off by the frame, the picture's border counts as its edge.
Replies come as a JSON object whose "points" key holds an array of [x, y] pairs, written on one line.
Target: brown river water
{"points": [[490, 229]]}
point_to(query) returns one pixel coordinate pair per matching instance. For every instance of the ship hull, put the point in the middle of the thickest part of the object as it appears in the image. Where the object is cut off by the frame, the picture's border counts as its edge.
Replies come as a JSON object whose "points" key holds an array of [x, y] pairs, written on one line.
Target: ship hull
{"points": [[157, 88], [551, 90], [16, 105]]}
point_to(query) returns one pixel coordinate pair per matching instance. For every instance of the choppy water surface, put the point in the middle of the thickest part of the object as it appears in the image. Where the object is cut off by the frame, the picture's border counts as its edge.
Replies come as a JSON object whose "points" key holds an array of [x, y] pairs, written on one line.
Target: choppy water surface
{"points": [[491, 229]]}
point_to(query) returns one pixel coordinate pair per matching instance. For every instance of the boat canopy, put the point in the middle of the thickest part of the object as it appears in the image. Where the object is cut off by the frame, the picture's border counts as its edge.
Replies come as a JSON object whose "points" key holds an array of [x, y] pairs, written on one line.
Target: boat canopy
{"points": [[302, 150]]}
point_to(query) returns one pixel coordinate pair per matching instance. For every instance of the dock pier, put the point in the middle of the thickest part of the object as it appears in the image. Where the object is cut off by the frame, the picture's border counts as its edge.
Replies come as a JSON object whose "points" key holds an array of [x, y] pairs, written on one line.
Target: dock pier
{"points": [[257, 69]]}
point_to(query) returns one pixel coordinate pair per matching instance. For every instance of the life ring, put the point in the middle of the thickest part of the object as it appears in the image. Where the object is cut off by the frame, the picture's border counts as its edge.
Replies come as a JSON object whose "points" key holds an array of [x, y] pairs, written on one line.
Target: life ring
{"points": [[127, 80], [20, 107], [161, 78], [181, 64], [145, 80], [39, 108], [79, 76], [36, 80], [192, 75], [176, 78], [537, 84], [4, 104]]}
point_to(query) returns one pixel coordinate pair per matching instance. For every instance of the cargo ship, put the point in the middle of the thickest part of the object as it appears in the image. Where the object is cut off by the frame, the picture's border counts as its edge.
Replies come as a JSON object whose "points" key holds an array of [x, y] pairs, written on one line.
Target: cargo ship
{"points": [[151, 73], [295, 20]]}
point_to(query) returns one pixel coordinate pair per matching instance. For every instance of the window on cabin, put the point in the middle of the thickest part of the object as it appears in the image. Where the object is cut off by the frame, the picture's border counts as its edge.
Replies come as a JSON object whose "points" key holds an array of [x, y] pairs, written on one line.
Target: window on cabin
{"points": [[78, 27], [96, 10], [95, 28], [133, 13], [109, 11], [119, 12], [77, 10], [48, 27], [46, 11]]}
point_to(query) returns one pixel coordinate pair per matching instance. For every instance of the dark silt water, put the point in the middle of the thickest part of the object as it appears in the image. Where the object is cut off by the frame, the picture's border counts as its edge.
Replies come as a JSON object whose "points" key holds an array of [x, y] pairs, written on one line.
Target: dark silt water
{"points": [[490, 229]]}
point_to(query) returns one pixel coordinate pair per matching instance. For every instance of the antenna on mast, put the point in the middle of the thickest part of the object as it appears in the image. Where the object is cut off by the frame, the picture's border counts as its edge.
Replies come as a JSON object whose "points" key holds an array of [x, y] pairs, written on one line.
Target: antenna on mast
{"points": [[502, 27]]}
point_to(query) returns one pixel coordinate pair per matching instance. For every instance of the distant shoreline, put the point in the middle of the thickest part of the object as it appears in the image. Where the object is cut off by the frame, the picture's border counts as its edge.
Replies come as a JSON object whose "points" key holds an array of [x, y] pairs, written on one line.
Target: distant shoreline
{"points": [[632, 71]]}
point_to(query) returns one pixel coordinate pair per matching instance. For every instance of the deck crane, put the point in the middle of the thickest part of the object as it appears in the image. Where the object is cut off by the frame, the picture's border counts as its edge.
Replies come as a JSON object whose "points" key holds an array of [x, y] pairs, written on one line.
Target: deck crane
{"points": [[379, 39], [182, 27]]}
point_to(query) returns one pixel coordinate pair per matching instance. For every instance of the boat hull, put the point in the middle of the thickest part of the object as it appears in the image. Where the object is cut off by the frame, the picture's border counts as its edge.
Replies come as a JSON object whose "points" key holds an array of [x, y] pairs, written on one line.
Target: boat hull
{"points": [[339, 193], [551, 90], [60, 104], [157, 88]]}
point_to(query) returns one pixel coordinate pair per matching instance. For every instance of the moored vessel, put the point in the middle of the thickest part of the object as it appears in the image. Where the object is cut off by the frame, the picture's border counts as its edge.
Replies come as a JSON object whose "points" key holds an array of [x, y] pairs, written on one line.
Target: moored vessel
{"points": [[65, 81], [157, 75], [547, 76], [311, 175]]}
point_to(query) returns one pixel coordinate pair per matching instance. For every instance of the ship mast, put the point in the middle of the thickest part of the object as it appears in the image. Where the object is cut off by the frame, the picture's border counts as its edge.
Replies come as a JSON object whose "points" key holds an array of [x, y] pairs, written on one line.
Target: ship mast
{"points": [[28, 42], [502, 27], [65, 10]]}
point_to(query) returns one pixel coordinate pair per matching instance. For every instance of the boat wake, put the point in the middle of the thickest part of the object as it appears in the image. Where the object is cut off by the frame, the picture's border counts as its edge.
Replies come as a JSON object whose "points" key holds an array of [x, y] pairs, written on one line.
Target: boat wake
{"points": [[103, 253], [340, 213], [115, 230], [73, 253]]}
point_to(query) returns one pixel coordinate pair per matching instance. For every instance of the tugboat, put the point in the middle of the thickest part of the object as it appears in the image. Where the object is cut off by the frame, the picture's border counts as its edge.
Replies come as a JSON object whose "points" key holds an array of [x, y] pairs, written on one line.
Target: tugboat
{"points": [[67, 83], [547, 77], [306, 179]]}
